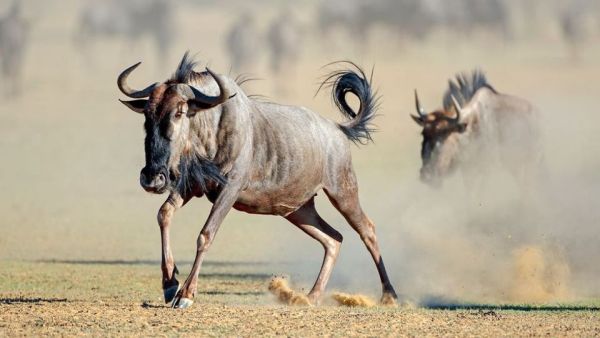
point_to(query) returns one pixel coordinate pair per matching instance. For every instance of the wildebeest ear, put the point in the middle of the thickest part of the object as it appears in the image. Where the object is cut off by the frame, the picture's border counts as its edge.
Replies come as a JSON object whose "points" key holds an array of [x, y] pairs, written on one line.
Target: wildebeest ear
{"points": [[137, 106], [462, 127], [417, 119]]}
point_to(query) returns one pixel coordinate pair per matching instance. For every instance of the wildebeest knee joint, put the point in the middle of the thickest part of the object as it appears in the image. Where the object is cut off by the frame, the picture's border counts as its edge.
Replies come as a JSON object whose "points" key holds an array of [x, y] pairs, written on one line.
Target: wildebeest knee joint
{"points": [[164, 215], [203, 242]]}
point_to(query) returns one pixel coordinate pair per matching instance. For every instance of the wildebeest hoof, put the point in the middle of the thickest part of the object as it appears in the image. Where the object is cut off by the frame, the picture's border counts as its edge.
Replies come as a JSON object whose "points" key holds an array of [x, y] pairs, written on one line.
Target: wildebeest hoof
{"points": [[170, 292], [389, 299], [182, 303]]}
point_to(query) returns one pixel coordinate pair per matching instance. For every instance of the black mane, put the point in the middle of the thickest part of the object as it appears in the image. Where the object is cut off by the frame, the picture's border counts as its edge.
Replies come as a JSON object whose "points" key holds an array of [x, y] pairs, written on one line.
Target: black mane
{"points": [[196, 172], [185, 71], [464, 87]]}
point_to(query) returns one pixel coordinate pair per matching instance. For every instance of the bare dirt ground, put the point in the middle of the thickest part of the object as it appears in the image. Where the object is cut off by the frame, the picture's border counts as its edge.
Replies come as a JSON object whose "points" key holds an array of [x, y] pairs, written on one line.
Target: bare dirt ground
{"points": [[79, 242], [123, 300]]}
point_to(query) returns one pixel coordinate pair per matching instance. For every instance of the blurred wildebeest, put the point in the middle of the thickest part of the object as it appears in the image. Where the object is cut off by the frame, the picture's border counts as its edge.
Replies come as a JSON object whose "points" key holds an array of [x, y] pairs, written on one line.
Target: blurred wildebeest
{"points": [[572, 16], [284, 38], [406, 18], [478, 126], [466, 17], [13, 41], [204, 136], [243, 44], [414, 19], [131, 20], [344, 14], [491, 15]]}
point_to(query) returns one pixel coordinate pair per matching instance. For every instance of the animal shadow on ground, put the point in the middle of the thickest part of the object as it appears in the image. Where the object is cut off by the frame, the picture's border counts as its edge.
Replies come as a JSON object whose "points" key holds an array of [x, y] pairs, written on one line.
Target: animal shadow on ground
{"points": [[22, 300], [489, 309]]}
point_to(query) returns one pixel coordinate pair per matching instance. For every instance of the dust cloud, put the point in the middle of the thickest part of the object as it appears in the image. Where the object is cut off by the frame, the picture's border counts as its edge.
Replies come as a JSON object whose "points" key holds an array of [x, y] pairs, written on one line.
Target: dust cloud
{"points": [[345, 299], [497, 240], [281, 289], [539, 276]]}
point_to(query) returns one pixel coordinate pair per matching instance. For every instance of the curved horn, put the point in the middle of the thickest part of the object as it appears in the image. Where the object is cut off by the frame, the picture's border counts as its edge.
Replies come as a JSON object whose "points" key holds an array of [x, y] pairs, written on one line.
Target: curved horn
{"points": [[457, 108], [420, 109], [212, 101], [125, 89]]}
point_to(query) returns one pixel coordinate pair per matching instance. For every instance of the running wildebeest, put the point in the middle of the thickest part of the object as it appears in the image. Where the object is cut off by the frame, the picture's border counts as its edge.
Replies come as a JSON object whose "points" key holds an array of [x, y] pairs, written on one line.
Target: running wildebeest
{"points": [[130, 20], [477, 125], [13, 40], [204, 136]]}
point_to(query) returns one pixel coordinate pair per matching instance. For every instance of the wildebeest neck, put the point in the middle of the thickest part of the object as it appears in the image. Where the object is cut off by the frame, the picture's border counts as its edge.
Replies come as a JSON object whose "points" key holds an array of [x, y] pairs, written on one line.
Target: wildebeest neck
{"points": [[213, 144]]}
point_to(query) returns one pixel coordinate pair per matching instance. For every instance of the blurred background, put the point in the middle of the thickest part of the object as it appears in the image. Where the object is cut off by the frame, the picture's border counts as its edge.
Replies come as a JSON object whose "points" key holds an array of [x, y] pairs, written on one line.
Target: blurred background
{"points": [[71, 153]]}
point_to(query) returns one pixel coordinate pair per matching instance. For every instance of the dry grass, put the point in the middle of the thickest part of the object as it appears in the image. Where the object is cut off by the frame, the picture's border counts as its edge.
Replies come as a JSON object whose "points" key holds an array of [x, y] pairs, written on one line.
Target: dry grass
{"points": [[40, 299]]}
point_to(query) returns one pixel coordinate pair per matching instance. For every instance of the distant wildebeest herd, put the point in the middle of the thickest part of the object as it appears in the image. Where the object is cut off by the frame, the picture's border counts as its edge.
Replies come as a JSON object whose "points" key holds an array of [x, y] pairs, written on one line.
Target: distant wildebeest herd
{"points": [[206, 137], [129, 20], [283, 38]]}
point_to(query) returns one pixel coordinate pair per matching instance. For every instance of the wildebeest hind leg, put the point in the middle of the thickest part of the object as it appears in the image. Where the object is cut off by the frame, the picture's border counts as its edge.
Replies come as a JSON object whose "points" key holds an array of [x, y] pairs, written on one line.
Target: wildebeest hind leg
{"points": [[308, 220], [346, 202]]}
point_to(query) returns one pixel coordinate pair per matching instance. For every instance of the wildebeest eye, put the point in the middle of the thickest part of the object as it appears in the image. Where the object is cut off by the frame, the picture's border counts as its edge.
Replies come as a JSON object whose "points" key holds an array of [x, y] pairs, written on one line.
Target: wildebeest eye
{"points": [[179, 112]]}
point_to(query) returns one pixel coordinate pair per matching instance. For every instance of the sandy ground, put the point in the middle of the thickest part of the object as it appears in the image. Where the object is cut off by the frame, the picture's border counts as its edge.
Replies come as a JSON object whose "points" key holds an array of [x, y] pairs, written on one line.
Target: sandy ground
{"points": [[123, 300], [71, 156]]}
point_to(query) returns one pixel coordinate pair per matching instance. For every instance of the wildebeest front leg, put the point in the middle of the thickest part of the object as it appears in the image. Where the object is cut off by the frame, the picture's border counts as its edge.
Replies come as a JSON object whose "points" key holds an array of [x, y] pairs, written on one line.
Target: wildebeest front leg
{"points": [[170, 284], [308, 220], [221, 207]]}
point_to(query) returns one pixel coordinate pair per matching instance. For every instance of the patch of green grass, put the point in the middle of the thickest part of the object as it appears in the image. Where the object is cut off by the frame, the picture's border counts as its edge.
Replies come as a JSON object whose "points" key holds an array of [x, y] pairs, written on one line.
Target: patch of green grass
{"points": [[440, 303]]}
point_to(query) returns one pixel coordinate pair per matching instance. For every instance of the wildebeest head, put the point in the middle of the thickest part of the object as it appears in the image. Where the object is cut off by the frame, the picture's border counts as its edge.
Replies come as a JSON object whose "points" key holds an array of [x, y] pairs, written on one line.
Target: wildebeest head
{"points": [[168, 108], [440, 146]]}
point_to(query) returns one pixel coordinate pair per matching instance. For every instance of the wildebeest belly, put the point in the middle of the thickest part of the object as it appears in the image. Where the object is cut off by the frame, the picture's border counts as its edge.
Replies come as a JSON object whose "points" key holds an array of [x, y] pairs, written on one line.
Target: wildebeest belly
{"points": [[281, 183], [266, 206], [279, 198]]}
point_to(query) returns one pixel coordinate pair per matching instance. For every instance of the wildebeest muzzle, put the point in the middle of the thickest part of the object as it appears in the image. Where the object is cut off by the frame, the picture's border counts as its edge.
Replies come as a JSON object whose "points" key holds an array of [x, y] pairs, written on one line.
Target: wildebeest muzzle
{"points": [[154, 179]]}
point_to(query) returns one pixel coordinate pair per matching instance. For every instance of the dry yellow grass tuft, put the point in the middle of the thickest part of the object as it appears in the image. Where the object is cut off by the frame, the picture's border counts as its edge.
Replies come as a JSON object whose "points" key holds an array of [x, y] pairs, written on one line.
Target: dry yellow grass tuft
{"points": [[345, 299], [280, 288]]}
